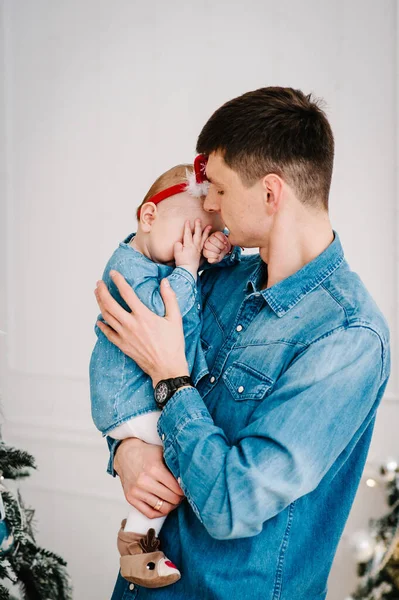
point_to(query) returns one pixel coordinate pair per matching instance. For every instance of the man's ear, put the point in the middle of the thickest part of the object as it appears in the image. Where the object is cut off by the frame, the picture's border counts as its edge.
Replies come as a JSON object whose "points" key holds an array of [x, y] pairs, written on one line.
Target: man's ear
{"points": [[273, 187], [148, 214]]}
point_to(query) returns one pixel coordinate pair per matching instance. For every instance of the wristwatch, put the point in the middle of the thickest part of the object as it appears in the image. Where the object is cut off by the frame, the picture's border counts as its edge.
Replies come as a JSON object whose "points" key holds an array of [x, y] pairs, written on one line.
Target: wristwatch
{"points": [[165, 388]]}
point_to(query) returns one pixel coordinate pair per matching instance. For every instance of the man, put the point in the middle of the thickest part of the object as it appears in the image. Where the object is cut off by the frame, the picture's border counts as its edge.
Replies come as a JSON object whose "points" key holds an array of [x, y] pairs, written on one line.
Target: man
{"points": [[270, 447]]}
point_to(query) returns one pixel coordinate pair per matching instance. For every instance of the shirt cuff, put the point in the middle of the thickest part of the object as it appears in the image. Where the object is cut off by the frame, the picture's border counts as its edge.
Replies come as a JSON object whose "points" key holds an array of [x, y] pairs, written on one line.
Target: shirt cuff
{"points": [[234, 256], [182, 272], [112, 446], [185, 406]]}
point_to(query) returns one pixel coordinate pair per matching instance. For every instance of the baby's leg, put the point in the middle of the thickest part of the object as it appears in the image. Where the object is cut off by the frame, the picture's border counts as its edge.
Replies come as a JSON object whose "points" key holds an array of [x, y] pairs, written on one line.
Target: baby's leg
{"points": [[135, 538], [143, 427]]}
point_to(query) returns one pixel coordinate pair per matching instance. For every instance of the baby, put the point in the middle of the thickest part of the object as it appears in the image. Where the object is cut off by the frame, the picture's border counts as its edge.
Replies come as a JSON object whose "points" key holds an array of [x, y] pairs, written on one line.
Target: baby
{"points": [[173, 231]]}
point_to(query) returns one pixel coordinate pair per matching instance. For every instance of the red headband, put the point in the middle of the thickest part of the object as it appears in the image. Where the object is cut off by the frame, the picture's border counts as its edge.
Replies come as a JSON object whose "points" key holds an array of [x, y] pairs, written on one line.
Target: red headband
{"points": [[170, 191], [200, 177]]}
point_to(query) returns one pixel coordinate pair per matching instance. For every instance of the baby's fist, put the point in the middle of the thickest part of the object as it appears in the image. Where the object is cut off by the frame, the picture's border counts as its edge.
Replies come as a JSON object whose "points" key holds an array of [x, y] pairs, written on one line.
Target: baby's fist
{"points": [[216, 247]]}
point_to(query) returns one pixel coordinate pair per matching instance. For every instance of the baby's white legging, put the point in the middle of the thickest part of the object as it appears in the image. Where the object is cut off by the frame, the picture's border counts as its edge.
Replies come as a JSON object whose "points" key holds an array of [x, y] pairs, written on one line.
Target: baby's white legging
{"points": [[145, 428]]}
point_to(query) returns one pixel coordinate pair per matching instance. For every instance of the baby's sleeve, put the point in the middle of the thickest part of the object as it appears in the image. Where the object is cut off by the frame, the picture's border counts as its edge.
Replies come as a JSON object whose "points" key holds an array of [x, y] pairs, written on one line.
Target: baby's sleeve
{"points": [[114, 378], [147, 288], [188, 295]]}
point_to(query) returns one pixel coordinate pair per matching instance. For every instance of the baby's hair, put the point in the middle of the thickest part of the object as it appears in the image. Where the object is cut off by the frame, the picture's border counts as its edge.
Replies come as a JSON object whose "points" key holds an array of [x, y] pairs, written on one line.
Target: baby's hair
{"points": [[173, 176]]}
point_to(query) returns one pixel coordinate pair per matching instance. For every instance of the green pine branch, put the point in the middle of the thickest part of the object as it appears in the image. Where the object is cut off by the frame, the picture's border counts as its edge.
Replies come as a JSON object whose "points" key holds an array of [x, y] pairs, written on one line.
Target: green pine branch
{"points": [[14, 463], [4, 593], [39, 573]]}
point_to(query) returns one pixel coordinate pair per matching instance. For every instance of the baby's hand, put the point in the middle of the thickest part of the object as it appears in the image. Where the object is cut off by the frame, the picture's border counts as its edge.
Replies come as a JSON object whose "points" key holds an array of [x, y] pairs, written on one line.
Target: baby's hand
{"points": [[188, 253], [216, 247]]}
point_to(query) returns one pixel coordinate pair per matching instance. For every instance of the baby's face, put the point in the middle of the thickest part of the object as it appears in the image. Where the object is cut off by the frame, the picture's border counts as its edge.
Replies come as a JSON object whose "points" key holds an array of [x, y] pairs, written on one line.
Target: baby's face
{"points": [[168, 227]]}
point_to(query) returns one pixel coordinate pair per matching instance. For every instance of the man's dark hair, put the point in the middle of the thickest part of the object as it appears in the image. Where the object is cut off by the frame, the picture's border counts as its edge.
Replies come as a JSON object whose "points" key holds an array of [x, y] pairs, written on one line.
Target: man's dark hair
{"points": [[275, 130]]}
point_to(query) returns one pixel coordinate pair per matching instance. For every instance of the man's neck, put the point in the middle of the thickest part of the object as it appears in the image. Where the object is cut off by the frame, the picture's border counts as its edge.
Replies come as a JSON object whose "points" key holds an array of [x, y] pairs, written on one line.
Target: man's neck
{"points": [[290, 248]]}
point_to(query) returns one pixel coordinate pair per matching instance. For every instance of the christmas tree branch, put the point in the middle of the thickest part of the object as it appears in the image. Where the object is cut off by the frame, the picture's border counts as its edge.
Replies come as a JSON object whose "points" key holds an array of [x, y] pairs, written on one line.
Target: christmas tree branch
{"points": [[13, 462]]}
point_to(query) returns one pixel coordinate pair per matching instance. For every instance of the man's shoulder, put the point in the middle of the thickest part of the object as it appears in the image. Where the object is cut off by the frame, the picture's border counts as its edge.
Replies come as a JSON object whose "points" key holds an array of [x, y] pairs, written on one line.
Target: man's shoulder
{"points": [[357, 305]]}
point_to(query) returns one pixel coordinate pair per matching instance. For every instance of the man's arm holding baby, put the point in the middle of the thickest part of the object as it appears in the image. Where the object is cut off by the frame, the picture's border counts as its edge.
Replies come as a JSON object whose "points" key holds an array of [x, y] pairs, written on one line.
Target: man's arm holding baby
{"points": [[279, 455], [146, 474]]}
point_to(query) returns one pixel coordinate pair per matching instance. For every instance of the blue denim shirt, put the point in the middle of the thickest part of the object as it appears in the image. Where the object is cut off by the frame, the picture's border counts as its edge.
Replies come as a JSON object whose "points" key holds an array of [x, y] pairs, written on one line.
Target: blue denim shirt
{"points": [[270, 446], [119, 389]]}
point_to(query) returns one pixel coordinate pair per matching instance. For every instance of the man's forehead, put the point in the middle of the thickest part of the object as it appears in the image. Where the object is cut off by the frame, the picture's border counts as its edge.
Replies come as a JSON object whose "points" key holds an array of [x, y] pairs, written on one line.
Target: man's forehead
{"points": [[214, 168]]}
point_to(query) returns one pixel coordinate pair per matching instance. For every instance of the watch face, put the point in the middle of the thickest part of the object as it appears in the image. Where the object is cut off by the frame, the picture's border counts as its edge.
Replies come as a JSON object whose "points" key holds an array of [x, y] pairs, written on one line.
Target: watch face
{"points": [[162, 392]]}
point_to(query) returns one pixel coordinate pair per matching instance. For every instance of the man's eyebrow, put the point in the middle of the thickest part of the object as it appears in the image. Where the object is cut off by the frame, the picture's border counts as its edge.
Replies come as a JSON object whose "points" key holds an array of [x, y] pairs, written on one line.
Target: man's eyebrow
{"points": [[211, 179]]}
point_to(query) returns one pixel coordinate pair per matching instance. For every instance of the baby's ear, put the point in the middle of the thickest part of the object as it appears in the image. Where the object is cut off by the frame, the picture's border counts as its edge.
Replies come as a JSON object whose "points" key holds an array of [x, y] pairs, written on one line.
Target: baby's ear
{"points": [[148, 214]]}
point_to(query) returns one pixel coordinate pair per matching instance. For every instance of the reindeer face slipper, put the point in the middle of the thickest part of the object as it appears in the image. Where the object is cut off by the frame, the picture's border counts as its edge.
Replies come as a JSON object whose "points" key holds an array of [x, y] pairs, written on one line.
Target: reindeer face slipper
{"points": [[142, 562]]}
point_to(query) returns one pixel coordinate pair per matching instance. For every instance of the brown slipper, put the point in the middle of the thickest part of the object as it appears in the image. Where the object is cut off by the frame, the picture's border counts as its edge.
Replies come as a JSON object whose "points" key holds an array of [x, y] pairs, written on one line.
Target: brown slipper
{"points": [[141, 560]]}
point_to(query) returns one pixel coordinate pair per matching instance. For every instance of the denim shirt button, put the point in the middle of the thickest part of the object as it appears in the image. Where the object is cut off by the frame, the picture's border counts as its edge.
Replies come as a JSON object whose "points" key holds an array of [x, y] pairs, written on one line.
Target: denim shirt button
{"points": [[239, 328], [131, 586], [198, 306], [163, 437], [212, 379], [240, 389], [179, 480]]}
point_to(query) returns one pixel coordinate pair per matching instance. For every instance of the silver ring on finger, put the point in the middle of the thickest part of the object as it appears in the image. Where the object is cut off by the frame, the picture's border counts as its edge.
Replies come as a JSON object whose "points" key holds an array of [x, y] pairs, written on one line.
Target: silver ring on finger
{"points": [[158, 505]]}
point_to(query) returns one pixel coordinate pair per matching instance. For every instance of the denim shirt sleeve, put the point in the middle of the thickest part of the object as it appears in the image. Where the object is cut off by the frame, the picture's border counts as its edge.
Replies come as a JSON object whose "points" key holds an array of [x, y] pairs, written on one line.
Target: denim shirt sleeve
{"points": [[112, 447], [182, 283], [316, 407]]}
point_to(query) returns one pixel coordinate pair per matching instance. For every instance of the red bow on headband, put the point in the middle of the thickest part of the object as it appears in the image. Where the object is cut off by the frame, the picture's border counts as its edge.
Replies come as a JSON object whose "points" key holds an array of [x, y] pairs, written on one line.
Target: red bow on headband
{"points": [[200, 168], [200, 177]]}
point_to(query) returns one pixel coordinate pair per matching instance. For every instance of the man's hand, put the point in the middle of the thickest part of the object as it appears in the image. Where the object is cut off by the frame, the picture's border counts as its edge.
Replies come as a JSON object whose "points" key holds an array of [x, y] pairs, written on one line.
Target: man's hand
{"points": [[216, 247], [188, 253], [155, 343], [145, 478]]}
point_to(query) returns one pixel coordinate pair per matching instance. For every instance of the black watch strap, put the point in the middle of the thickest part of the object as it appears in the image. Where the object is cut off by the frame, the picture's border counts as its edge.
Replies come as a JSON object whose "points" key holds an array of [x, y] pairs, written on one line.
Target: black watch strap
{"points": [[178, 382], [165, 388]]}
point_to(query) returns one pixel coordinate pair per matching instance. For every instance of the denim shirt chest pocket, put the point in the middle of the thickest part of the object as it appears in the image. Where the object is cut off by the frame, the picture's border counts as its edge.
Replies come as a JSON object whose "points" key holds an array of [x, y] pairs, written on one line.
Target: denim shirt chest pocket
{"points": [[205, 346], [246, 383]]}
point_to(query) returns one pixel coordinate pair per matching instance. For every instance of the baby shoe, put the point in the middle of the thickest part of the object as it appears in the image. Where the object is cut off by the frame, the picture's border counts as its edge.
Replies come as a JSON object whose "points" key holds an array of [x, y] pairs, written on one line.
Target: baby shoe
{"points": [[141, 560]]}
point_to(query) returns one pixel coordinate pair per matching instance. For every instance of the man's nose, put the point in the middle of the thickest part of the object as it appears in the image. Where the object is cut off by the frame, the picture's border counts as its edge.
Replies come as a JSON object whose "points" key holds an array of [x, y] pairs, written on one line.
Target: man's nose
{"points": [[211, 203]]}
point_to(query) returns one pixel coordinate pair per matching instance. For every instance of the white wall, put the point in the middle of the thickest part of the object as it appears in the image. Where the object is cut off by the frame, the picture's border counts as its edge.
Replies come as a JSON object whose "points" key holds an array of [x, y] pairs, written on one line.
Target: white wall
{"points": [[97, 99]]}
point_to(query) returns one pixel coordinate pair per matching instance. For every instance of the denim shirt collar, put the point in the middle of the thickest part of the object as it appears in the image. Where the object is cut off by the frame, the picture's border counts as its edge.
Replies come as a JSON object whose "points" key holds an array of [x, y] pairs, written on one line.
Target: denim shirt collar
{"points": [[286, 294]]}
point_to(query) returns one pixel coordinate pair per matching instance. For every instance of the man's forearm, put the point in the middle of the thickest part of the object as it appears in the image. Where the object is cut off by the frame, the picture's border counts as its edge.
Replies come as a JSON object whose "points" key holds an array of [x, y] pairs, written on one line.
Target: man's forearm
{"points": [[278, 456]]}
